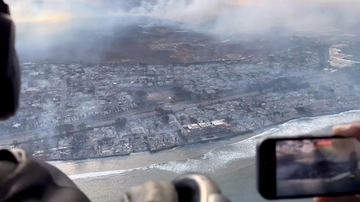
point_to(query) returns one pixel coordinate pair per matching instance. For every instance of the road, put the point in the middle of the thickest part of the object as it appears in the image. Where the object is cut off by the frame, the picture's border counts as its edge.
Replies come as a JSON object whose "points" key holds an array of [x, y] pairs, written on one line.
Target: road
{"points": [[63, 97]]}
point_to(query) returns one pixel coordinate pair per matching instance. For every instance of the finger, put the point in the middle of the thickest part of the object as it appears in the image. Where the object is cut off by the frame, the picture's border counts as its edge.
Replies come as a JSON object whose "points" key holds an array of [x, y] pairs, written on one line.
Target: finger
{"points": [[352, 130], [323, 199], [337, 199]]}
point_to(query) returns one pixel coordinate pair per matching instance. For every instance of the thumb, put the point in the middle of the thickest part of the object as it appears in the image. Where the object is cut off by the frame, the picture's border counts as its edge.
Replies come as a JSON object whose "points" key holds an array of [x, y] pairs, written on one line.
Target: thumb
{"points": [[352, 130], [337, 199]]}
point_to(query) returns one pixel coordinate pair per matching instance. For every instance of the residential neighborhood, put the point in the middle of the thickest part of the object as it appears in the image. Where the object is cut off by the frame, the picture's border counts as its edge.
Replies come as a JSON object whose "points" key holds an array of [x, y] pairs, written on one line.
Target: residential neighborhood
{"points": [[84, 110]]}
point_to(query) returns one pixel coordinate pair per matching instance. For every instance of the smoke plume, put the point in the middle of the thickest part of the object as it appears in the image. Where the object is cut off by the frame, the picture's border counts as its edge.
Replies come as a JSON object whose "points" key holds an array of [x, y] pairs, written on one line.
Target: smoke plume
{"points": [[84, 29]]}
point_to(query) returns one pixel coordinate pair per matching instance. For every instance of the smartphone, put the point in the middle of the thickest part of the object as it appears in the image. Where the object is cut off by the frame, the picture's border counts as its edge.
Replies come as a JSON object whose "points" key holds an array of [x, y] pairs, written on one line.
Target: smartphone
{"points": [[304, 167]]}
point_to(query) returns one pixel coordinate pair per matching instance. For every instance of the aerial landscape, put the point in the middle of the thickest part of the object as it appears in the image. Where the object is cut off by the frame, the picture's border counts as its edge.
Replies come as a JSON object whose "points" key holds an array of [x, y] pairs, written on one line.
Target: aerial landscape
{"points": [[160, 84], [209, 90], [115, 93]]}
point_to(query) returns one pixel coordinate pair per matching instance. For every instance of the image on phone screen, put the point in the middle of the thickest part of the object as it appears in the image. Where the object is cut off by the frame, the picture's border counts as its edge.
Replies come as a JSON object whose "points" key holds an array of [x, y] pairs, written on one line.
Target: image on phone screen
{"points": [[317, 166]]}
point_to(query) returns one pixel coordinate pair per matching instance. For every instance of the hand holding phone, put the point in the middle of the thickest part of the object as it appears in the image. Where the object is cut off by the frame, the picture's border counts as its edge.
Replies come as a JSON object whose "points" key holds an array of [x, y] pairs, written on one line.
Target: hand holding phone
{"points": [[352, 130], [310, 166]]}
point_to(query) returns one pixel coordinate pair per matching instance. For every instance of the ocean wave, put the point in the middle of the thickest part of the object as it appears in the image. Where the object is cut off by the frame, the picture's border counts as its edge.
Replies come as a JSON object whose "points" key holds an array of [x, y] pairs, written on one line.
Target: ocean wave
{"points": [[97, 174], [104, 173], [219, 158], [213, 160]]}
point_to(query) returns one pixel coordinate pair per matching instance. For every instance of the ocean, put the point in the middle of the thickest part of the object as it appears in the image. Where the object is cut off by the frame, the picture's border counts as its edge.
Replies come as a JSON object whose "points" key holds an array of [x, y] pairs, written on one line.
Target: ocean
{"points": [[229, 162]]}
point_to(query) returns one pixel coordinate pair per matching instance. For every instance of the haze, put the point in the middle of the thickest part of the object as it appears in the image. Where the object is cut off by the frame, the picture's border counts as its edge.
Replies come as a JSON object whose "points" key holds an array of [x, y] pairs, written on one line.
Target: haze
{"points": [[42, 21]]}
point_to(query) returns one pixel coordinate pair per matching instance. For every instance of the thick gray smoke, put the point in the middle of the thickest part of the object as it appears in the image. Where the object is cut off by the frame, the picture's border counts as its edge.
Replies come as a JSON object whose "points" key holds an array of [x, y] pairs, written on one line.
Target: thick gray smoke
{"points": [[257, 17], [74, 30], [62, 30]]}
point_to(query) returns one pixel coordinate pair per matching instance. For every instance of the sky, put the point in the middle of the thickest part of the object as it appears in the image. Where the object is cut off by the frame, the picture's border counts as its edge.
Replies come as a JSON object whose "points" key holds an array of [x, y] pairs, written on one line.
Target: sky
{"points": [[55, 10], [222, 18], [217, 17]]}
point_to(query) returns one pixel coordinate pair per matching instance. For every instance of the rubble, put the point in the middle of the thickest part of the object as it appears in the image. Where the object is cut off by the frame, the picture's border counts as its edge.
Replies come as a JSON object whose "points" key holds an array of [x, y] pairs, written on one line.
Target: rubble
{"points": [[95, 110]]}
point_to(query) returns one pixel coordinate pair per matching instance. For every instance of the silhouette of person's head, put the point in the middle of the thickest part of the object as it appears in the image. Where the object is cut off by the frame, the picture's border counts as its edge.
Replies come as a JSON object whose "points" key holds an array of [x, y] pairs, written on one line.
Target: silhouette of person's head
{"points": [[9, 66]]}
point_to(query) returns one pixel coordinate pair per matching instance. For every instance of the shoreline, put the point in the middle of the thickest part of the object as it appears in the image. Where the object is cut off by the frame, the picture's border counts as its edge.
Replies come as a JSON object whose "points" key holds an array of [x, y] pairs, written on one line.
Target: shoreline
{"points": [[237, 137]]}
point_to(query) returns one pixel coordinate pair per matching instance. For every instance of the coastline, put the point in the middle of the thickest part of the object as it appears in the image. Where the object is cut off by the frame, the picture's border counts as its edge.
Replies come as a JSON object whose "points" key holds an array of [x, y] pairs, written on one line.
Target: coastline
{"points": [[100, 178], [234, 137]]}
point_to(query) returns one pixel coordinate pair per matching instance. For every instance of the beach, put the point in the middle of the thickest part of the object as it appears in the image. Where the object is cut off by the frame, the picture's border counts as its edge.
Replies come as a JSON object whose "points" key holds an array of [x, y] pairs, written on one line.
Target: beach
{"points": [[237, 182], [230, 162]]}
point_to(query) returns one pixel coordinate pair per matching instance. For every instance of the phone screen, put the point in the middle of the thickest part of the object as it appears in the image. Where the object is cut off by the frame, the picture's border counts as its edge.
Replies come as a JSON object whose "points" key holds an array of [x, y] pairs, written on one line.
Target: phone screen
{"points": [[310, 167]]}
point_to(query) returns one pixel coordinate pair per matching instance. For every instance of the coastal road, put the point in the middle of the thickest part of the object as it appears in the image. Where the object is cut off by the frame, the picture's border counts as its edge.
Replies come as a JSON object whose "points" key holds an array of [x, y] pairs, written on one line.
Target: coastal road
{"points": [[131, 115], [108, 119]]}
